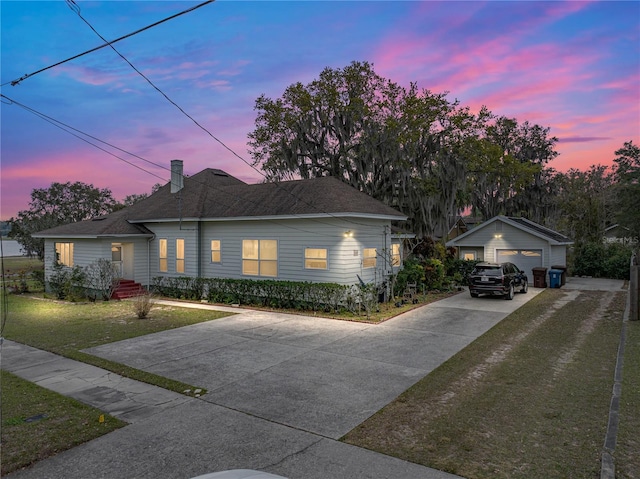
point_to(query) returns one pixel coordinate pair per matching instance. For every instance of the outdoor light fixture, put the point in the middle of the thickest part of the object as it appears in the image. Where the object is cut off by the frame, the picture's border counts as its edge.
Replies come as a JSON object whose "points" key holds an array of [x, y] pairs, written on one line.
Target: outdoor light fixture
{"points": [[348, 234], [497, 235]]}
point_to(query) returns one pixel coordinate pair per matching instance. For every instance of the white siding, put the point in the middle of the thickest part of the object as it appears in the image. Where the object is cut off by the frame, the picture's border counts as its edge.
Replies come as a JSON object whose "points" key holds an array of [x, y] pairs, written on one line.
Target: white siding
{"points": [[87, 251], [345, 253], [511, 238], [140, 250], [558, 256], [172, 231], [293, 236]]}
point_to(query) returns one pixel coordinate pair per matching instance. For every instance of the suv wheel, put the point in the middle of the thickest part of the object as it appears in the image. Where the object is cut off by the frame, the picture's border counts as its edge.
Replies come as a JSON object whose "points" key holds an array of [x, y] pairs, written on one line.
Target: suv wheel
{"points": [[525, 287], [510, 293], [474, 295]]}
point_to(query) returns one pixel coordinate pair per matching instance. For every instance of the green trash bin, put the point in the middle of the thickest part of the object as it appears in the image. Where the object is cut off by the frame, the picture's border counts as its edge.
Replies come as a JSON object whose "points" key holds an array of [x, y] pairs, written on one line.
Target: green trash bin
{"points": [[555, 278]]}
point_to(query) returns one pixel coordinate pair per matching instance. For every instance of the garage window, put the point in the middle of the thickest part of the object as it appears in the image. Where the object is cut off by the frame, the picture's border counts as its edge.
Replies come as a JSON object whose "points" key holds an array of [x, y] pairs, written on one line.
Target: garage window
{"points": [[525, 259]]}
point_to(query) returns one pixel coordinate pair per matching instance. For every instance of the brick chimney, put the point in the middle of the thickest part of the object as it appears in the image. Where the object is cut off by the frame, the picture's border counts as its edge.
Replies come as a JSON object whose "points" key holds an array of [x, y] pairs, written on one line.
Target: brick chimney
{"points": [[177, 176]]}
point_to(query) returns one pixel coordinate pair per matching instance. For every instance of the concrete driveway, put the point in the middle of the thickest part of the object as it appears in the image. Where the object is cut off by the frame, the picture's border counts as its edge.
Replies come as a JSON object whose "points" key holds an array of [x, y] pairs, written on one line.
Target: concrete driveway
{"points": [[281, 390], [314, 374]]}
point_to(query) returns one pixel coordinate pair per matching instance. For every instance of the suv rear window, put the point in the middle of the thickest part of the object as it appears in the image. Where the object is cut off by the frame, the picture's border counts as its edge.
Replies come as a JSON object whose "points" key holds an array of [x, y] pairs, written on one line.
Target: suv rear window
{"points": [[488, 270]]}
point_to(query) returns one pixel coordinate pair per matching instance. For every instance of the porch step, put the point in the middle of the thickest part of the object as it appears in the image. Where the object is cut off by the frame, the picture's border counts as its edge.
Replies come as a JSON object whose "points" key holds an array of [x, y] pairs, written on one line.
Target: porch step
{"points": [[127, 288]]}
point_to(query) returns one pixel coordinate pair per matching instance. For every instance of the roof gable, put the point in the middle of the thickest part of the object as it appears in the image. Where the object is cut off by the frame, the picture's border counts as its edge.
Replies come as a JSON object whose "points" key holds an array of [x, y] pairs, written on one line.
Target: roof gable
{"points": [[528, 226]]}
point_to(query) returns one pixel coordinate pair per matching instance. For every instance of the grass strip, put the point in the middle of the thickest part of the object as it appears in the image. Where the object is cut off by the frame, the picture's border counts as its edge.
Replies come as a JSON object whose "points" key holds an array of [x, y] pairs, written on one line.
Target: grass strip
{"points": [[627, 459], [38, 423], [530, 398]]}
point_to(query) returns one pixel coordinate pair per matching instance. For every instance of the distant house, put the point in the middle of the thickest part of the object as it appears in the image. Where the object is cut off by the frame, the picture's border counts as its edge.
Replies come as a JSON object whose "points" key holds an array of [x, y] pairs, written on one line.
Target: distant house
{"points": [[460, 225], [214, 225], [619, 234], [517, 240]]}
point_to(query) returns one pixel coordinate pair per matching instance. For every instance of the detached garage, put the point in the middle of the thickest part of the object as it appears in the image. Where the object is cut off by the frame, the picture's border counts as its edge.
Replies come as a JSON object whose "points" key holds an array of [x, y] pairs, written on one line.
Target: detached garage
{"points": [[506, 238]]}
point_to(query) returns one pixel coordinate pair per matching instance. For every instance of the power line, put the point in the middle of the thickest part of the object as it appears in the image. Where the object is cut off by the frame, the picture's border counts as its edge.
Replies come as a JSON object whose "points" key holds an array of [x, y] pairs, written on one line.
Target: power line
{"points": [[74, 7], [69, 129], [79, 134]]}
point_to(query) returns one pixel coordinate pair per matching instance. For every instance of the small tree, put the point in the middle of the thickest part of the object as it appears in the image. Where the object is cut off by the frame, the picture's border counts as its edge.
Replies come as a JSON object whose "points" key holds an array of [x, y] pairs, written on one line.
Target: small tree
{"points": [[102, 277]]}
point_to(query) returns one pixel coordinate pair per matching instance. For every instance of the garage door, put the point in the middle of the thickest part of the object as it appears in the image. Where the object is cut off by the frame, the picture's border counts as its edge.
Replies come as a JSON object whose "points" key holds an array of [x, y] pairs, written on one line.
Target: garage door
{"points": [[525, 259]]}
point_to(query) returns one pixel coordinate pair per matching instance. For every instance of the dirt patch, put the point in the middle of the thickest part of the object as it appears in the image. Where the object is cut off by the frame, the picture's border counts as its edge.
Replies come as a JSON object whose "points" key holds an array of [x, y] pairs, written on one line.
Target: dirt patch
{"points": [[586, 328], [472, 380]]}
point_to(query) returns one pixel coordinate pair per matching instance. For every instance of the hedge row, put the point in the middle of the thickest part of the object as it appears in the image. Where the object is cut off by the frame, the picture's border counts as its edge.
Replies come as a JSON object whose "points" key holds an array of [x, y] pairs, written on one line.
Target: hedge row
{"points": [[303, 296]]}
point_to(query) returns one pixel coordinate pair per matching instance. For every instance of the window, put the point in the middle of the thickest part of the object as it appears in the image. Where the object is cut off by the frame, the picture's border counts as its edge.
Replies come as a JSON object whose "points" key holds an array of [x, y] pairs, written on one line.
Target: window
{"points": [[469, 255], [315, 258], [395, 254], [369, 258], [64, 254], [260, 257], [179, 255], [215, 251], [162, 255]]}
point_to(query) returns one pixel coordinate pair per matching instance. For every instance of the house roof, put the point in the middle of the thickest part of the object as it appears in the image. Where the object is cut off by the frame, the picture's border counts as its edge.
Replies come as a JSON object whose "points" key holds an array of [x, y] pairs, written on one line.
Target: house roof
{"points": [[553, 237], [213, 195], [112, 225]]}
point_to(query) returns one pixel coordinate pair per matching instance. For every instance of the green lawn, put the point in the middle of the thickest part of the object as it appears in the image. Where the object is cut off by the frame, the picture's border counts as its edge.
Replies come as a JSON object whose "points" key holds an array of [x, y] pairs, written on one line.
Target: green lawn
{"points": [[37, 423], [528, 399], [67, 328]]}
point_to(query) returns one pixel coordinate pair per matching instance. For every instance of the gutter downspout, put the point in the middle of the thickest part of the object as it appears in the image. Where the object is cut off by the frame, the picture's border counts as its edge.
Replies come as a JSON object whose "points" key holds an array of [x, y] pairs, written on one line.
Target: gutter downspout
{"points": [[199, 249], [149, 261]]}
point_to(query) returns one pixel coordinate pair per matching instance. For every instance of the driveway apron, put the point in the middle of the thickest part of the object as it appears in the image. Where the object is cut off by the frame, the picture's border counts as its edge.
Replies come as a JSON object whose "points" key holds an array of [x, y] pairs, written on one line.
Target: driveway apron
{"points": [[281, 390]]}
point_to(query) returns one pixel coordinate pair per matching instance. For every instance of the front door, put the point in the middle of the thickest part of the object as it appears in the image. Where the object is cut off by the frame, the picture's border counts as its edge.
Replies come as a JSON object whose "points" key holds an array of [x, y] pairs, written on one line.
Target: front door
{"points": [[116, 259]]}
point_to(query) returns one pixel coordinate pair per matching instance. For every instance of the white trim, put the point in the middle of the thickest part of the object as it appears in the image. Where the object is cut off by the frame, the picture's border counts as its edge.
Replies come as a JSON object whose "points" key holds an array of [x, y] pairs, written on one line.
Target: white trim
{"points": [[276, 217], [515, 224]]}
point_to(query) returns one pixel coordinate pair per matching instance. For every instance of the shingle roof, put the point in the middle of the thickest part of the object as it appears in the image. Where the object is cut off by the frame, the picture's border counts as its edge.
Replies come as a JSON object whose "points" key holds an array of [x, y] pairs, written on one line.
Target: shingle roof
{"points": [[213, 194], [114, 224], [521, 223], [554, 235]]}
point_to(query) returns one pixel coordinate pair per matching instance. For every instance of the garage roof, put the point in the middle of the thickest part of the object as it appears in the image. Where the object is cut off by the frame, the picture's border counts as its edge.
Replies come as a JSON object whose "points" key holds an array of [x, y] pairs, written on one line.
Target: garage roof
{"points": [[553, 237]]}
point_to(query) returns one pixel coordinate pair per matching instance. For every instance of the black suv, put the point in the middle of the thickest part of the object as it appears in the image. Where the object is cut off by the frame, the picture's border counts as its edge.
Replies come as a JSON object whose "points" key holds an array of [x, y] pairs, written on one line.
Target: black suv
{"points": [[500, 279]]}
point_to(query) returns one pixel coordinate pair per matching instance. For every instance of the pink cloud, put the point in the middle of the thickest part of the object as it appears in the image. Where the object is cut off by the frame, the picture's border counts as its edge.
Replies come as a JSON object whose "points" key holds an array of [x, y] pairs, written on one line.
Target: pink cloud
{"points": [[88, 75]]}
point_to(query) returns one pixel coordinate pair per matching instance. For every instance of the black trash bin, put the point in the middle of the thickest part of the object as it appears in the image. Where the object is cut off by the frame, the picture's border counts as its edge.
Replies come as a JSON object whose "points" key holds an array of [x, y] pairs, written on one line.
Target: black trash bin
{"points": [[563, 273], [539, 277]]}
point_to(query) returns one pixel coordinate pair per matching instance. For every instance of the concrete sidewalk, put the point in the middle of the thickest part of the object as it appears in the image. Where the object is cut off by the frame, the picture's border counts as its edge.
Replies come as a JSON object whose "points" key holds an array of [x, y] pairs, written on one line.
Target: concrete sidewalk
{"points": [[121, 397], [281, 390]]}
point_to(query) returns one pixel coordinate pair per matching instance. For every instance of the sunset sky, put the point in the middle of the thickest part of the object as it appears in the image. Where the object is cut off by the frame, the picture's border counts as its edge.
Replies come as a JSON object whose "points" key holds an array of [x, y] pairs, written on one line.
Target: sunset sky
{"points": [[571, 66]]}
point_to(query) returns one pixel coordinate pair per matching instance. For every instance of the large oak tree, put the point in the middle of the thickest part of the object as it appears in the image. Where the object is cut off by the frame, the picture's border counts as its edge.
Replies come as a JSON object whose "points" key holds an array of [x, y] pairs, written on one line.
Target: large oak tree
{"points": [[406, 147]]}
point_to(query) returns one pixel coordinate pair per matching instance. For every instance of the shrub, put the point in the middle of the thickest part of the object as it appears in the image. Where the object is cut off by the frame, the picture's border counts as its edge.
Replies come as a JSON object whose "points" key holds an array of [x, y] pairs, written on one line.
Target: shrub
{"points": [[459, 269], [277, 294], [67, 283], [617, 261], [589, 259], [602, 261], [142, 305], [434, 274], [411, 272], [37, 276]]}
